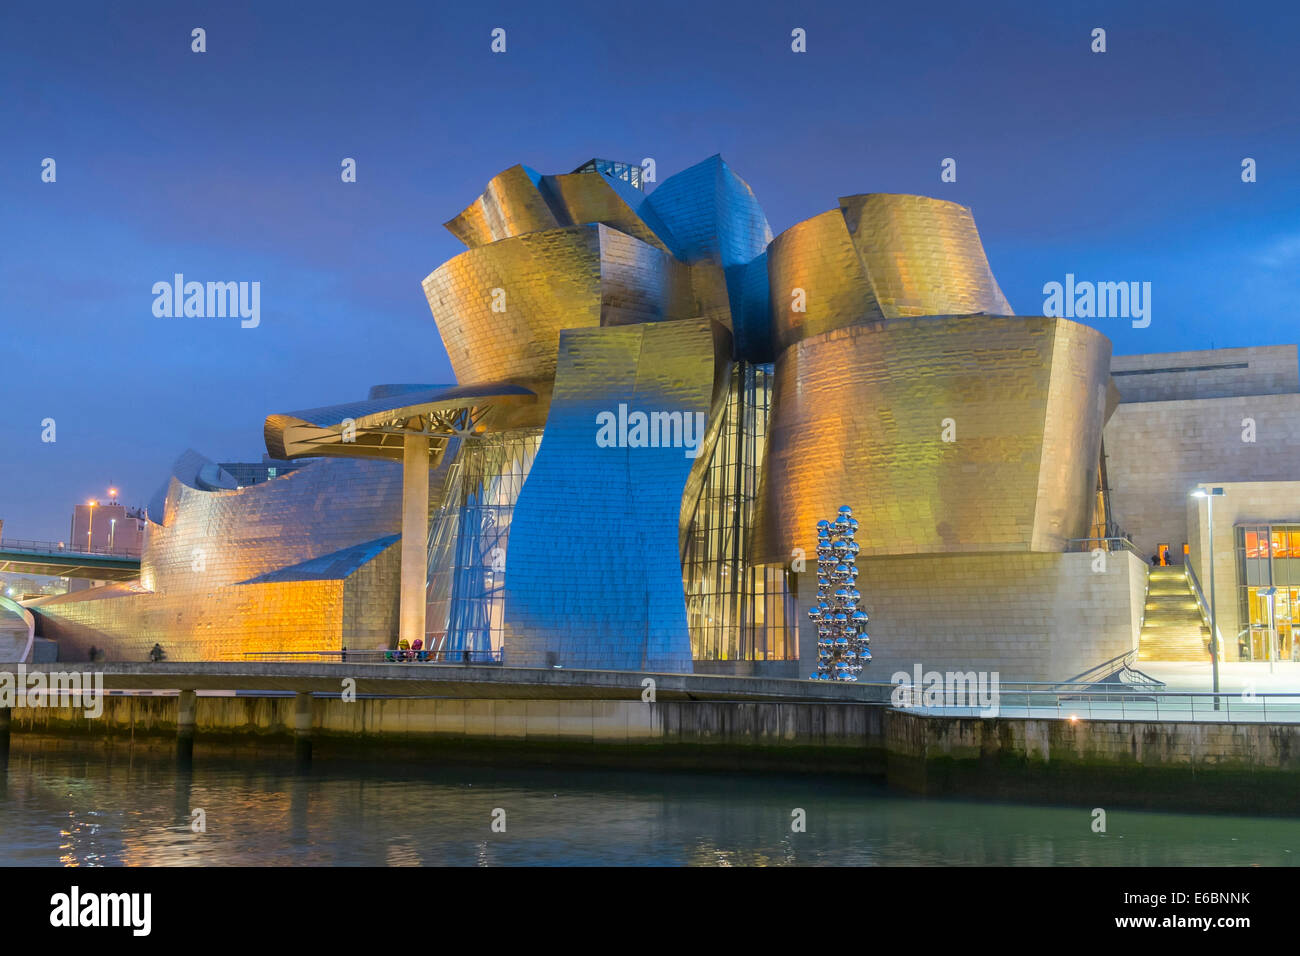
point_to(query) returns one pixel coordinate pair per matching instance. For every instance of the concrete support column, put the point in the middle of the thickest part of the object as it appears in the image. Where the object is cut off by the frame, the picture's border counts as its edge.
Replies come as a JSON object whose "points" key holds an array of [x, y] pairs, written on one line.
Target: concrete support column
{"points": [[807, 631], [415, 536], [185, 720], [302, 727]]}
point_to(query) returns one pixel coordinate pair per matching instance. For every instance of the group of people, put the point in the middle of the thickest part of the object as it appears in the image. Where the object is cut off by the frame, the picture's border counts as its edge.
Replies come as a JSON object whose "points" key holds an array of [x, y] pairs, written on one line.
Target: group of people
{"points": [[408, 651]]}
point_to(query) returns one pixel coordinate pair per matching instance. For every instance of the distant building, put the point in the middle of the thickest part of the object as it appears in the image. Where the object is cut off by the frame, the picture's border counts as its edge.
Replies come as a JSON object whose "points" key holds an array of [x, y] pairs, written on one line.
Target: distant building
{"points": [[109, 528]]}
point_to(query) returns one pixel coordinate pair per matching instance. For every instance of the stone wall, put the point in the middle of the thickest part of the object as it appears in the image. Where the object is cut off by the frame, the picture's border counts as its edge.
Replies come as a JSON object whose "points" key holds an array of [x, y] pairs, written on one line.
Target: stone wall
{"points": [[1230, 767], [1212, 373], [1157, 452], [1029, 617]]}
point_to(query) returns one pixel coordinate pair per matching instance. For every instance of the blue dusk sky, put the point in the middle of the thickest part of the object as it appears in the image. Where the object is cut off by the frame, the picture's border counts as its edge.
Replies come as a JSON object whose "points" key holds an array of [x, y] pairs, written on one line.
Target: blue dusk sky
{"points": [[1123, 165]]}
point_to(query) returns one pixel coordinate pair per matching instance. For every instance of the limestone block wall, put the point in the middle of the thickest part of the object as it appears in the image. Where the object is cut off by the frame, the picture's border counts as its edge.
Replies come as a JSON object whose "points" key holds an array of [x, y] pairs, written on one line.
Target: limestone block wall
{"points": [[1157, 452], [1029, 617], [1212, 373]]}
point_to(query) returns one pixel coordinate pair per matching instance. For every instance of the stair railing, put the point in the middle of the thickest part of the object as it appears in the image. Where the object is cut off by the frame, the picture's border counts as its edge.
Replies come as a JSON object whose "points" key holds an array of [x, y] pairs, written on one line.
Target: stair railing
{"points": [[1206, 619]]}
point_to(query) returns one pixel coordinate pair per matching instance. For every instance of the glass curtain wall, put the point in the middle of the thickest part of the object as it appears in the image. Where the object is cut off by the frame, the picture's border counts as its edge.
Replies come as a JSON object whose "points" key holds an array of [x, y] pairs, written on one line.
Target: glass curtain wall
{"points": [[735, 610], [468, 537], [1268, 559]]}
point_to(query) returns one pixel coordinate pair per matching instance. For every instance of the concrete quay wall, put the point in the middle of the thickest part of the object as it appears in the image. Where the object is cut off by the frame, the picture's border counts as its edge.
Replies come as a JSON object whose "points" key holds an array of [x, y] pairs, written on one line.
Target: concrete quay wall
{"points": [[1227, 767]]}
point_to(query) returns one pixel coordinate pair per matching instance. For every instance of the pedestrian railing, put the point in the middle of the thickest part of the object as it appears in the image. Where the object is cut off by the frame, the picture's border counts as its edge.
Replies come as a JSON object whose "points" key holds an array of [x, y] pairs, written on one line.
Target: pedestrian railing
{"points": [[1204, 607], [1096, 704], [371, 656], [59, 547], [1102, 544]]}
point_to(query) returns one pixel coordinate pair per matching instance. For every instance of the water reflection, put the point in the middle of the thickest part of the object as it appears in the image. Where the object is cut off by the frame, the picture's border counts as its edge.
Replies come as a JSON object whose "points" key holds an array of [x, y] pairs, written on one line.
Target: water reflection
{"points": [[71, 809]]}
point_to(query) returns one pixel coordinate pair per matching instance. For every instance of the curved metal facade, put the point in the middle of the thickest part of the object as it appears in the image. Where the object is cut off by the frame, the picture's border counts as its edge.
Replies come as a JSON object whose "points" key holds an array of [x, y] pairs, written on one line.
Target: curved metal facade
{"points": [[879, 256], [305, 562], [716, 220], [577, 277], [594, 573], [816, 260], [591, 197], [511, 205], [922, 255], [948, 434]]}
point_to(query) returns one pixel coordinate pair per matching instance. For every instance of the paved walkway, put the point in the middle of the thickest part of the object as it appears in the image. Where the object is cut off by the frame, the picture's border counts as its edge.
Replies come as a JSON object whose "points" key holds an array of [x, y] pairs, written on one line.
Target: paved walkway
{"points": [[1190, 677]]}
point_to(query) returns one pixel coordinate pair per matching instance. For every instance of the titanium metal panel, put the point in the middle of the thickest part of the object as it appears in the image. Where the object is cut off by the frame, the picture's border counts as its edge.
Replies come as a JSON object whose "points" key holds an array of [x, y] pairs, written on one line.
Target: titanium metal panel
{"points": [[923, 256], [714, 217], [578, 277], [593, 575], [591, 197], [511, 205], [196, 595], [859, 417], [818, 257]]}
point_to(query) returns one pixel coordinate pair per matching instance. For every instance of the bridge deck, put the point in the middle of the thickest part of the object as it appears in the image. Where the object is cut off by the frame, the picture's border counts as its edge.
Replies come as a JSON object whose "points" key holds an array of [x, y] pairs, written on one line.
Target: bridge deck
{"points": [[65, 563]]}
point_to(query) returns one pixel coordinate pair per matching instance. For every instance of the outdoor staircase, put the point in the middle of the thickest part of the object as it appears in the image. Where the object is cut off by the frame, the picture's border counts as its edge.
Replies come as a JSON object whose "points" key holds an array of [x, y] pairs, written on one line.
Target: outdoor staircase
{"points": [[1173, 628]]}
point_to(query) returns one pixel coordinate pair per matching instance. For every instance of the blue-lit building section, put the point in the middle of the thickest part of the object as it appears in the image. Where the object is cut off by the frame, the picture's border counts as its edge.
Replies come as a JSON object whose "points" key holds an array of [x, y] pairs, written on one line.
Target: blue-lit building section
{"points": [[714, 216], [595, 574]]}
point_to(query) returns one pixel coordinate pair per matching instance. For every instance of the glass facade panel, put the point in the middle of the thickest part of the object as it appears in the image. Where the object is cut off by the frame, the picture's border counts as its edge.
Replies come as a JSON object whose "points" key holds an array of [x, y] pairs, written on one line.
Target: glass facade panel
{"points": [[735, 610], [1268, 556], [468, 537]]}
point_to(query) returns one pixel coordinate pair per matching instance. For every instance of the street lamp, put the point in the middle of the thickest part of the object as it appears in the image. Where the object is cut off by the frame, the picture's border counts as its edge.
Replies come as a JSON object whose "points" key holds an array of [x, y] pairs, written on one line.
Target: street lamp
{"points": [[112, 524], [1268, 594], [90, 525], [1209, 494]]}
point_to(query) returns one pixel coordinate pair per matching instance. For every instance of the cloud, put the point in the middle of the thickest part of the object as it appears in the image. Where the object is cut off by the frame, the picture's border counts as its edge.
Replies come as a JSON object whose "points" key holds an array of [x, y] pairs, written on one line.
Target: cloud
{"points": [[1281, 253]]}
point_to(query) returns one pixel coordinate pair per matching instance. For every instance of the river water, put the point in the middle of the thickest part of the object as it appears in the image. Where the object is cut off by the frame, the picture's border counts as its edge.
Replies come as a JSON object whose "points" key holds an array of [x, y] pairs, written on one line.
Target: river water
{"points": [[65, 809]]}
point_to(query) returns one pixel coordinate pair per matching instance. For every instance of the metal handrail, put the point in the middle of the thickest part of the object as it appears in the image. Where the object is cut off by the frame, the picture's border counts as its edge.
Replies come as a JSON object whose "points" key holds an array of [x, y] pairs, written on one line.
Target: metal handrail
{"points": [[381, 656], [1156, 705], [55, 547], [1095, 675], [1113, 543], [1206, 618]]}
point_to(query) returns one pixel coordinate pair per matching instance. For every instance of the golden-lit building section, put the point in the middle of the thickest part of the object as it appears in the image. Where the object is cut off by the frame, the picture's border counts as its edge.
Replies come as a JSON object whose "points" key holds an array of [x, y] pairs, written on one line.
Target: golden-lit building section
{"points": [[511, 205], [274, 566], [817, 280], [948, 434], [589, 197], [500, 308], [922, 256]]}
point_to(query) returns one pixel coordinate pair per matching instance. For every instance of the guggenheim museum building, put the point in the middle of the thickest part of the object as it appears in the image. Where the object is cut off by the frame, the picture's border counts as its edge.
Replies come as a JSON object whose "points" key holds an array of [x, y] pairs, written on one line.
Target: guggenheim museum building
{"points": [[655, 402]]}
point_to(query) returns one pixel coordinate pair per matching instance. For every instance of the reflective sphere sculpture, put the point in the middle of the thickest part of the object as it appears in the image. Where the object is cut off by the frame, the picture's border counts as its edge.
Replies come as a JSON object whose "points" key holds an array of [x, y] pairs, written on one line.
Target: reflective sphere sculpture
{"points": [[841, 640]]}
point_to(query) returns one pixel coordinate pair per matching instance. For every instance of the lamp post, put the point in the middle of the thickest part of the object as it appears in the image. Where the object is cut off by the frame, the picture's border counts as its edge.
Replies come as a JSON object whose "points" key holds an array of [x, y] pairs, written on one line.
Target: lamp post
{"points": [[112, 524], [1210, 494], [90, 525], [1268, 594]]}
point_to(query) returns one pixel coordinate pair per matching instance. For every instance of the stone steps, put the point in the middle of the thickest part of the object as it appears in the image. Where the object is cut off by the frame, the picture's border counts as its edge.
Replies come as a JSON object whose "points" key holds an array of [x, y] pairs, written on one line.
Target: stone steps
{"points": [[1172, 628]]}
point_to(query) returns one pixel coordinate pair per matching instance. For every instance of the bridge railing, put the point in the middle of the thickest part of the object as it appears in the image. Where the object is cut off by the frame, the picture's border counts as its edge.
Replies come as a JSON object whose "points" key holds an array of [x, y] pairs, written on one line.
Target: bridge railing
{"points": [[59, 547]]}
